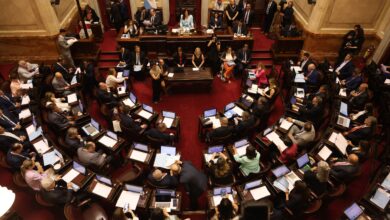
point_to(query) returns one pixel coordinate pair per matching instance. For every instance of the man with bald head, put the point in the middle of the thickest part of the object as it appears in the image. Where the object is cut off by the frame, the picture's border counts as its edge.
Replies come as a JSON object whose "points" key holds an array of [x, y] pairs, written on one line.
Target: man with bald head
{"points": [[222, 131], [344, 170], [59, 84], [311, 77], [359, 97], [163, 179], [105, 96], [27, 70], [195, 182]]}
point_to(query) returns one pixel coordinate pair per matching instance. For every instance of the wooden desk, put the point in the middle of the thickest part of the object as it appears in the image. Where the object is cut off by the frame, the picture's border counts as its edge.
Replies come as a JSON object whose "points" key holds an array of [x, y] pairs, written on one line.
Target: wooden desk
{"points": [[175, 125], [246, 196], [193, 78], [178, 197], [287, 48], [210, 199], [113, 193]]}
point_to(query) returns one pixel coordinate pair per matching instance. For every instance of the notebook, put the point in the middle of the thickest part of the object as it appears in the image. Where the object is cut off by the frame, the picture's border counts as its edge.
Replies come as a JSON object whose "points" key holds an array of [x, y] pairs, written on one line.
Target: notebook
{"points": [[343, 121]]}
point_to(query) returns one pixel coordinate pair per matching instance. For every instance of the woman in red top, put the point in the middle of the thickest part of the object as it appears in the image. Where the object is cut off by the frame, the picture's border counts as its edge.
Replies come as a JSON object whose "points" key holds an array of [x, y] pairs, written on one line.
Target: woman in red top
{"points": [[290, 153], [261, 76]]}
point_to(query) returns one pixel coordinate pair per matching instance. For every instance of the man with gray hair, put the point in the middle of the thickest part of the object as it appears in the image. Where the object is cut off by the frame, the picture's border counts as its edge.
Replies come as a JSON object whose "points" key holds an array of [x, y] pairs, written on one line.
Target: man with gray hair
{"points": [[301, 136], [163, 179], [56, 192], [27, 70], [317, 177]]}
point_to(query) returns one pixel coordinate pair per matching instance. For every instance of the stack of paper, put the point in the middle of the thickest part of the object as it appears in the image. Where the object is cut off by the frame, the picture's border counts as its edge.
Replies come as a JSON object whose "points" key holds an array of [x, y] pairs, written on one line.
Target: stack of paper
{"points": [[107, 141], [207, 158], [274, 138], [296, 68], [195, 69], [217, 199], [242, 150], [138, 155], [25, 113], [26, 86], [333, 137], [238, 110], [253, 89], [259, 193], [165, 160], [341, 143], [209, 31], [69, 176], [137, 68], [300, 93], [286, 125], [101, 190], [72, 98], [50, 158], [299, 78], [324, 153], [41, 147], [127, 197]]}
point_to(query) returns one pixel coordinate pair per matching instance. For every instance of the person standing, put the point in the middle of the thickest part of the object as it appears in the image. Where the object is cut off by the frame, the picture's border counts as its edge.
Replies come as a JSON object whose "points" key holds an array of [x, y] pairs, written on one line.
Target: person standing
{"points": [[269, 15], [231, 12], [288, 14], [115, 15], [64, 47], [155, 73]]}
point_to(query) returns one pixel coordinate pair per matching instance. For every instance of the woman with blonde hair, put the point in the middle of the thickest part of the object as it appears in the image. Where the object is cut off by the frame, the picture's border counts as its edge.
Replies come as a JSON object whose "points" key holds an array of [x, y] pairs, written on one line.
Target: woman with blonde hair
{"points": [[273, 89], [317, 178], [228, 58], [197, 58], [261, 75], [73, 139], [33, 177], [51, 99], [155, 73], [112, 81]]}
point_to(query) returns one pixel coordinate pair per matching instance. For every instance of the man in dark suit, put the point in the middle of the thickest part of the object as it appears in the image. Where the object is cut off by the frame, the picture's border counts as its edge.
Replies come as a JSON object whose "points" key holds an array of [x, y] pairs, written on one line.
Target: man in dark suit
{"points": [[56, 117], [58, 193], [240, 29], [247, 121], [138, 59], [7, 139], [128, 122], [154, 18], [247, 16], [312, 75], [345, 69], [59, 66], [9, 121], [359, 97], [345, 170], [305, 62], [6, 102], [195, 182], [124, 56], [17, 154], [158, 133], [261, 109], [163, 179], [353, 82], [244, 57], [222, 131], [362, 132], [106, 97], [269, 16], [215, 20], [179, 58], [313, 111]]}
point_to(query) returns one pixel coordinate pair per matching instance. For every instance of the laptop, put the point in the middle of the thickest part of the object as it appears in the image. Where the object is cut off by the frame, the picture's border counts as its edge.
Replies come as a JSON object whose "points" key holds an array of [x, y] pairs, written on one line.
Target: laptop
{"points": [[112, 135], [163, 198], [35, 134], [246, 100], [79, 168], [169, 150], [140, 152], [344, 108], [141, 147], [92, 128], [353, 211], [303, 162], [222, 191], [132, 188], [146, 111], [169, 117], [215, 149], [104, 180], [229, 113], [253, 184], [241, 146], [280, 171], [210, 113]]}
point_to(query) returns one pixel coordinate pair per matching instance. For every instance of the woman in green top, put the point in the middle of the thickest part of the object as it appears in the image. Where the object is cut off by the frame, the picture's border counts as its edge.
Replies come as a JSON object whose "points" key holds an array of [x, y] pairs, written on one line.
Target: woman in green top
{"points": [[250, 162]]}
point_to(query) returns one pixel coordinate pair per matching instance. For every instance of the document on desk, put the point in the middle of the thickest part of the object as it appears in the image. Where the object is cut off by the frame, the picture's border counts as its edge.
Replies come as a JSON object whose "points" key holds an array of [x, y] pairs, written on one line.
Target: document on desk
{"points": [[137, 68], [101, 190], [121, 90], [291, 177], [168, 121], [341, 143], [72, 98], [277, 141], [41, 147], [386, 182], [343, 92], [50, 158], [217, 199], [138, 155], [69, 176], [131, 198], [145, 114], [71, 41], [238, 110], [324, 153], [387, 82], [26, 86], [117, 126], [209, 31], [333, 137], [253, 89], [381, 198], [30, 129], [281, 183], [170, 75], [25, 100], [107, 141], [300, 93], [260, 192], [286, 125], [343, 121], [299, 78], [165, 160], [207, 158], [242, 150], [128, 102], [297, 69], [216, 122], [25, 113], [195, 69]]}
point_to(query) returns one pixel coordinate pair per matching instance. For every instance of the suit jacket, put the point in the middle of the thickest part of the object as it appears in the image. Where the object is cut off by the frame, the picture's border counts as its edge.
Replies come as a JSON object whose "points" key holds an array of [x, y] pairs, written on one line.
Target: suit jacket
{"points": [[220, 132], [213, 23], [58, 196], [346, 71], [6, 124], [157, 20], [59, 84], [358, 102], [133, 58], [58, 120], [302, 137], [125, 56], [244, 126], [57, 67], [313, 113], [312, 78], [195, 182], [6, 102], [176, 59], [360, 134], [6, 141], [353, 82], [344, 172], [154, 133], [313, 183], [167, 181], [244, 31], [15, 161], [250, 18], [88, 158], [128, 122], [296, 203], [261, 111], [271, 11], [240, 55], [73, 143], [106, 97], [304, 67]]}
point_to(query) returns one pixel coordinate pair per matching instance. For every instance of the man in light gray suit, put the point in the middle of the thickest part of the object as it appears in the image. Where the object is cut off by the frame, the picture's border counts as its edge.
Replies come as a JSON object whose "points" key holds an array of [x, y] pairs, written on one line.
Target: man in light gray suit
{"points": [[88, 156], [65, 48], [59, 84], [301, 136]]}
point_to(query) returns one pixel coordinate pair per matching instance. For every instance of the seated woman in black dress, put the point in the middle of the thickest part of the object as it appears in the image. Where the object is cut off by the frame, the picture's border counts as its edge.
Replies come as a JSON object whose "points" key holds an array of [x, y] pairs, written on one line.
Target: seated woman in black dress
{"points": [[271, 94], [197, 58], [221, 171]]}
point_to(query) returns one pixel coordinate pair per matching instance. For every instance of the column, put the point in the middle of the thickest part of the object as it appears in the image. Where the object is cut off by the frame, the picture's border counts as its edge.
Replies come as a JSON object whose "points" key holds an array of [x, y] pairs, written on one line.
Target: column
{"points": [[165, 8], [317, 16], [48, 16], [205, 12]]}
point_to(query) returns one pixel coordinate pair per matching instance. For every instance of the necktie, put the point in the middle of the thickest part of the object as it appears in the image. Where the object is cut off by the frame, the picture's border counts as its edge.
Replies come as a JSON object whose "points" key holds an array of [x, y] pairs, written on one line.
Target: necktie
{"points": [[245, 56], [152, 20], [7, 119], [246, 17], [137, 59]]}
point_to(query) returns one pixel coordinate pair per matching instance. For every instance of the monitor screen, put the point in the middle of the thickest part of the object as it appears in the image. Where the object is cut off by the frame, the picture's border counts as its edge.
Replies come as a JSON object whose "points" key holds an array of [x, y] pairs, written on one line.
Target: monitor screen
{"points": [[249, 83], [280, 171], [80, 168], [353, 212], [147, 108], [139, 146], [215, 149], [253, 184], [168, 114], [34, 135], [229, 106], [164, 192], [210, 112], [81, 106], [112, 135], [133, 188], [34, 121], [126, 73], [303, 160], [240, 143], [344, 108], [133, 98], [95, 124], [267, 131], [104, 180], [168, 150], [222, 190]]}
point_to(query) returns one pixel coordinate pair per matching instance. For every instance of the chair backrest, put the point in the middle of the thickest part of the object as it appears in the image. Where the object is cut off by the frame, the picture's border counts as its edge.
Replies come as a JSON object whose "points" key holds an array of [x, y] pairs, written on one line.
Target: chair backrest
{"points": [[221, 140], [155, 142]]}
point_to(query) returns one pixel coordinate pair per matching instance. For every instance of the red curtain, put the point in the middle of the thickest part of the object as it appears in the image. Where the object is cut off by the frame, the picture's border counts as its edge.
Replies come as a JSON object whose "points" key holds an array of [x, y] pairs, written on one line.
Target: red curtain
{"points": [[172, 13], [198, 15]]}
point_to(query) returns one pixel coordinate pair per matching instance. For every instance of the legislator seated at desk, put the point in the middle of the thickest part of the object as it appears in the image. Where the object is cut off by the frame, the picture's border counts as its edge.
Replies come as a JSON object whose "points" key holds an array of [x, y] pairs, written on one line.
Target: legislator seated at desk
{"points": [[317, 178], [17, 154], [345, 170], [220, 169], [163, 179], [105, 97], [197, 58], [302, 136], [223, 131], [226, 209], [7, 139], [186, 20], [88, 156], [313, 111], [245, 124], [128, 122], [27, 70], [240, 29], [60, 85], [216, 20], [312, 77], [57, 118], [56, 192], [250, 162], [305, 61], [154, 20], [352, 82], [113, 80], [179, 58], [359, 97], [362, 132], [345, 69], [138, 63], [158, 133]]}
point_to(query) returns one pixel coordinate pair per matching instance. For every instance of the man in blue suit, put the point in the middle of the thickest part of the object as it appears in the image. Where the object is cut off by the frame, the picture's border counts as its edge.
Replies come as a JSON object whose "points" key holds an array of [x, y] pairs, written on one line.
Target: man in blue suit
{"points": [[312, 75]]}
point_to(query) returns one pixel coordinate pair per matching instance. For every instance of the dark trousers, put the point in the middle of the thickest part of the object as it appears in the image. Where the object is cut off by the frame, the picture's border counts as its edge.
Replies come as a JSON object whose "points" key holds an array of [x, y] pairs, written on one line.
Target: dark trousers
{"points": [[267, 22], [156, 85]]}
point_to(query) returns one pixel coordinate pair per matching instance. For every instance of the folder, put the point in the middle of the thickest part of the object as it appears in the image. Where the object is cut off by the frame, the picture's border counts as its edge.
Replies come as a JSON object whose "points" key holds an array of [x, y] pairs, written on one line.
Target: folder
{"points": [[41, 146], [25, 113], [274, 138], [286, 125], [260, 192], [107, 141], [138, 155], [341, 143]]}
